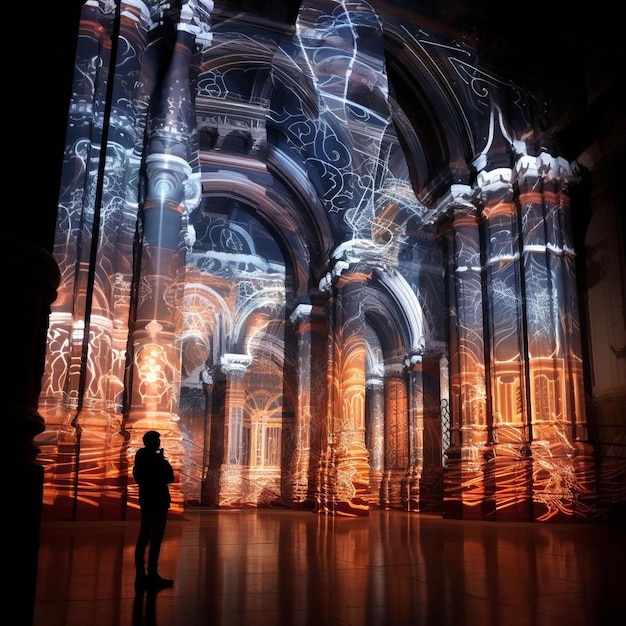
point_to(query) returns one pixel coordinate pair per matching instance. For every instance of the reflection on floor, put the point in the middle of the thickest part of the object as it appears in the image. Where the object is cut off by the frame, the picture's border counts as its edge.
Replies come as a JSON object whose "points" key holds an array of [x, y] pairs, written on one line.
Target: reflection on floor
{"points": [[278, 567]]}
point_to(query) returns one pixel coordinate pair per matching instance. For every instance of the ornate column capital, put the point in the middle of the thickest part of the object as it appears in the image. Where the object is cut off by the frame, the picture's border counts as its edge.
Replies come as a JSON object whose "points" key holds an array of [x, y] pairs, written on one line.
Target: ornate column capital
{"points": [[458, 198], [554, 167], [395, 370], [413, 360], [235, 365], [494, 186], [375, 382]]}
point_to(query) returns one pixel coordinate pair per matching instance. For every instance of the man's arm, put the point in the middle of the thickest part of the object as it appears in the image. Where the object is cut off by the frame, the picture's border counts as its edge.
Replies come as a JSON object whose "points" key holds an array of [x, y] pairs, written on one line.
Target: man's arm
{"points": [[139, 466], [168, 473]]}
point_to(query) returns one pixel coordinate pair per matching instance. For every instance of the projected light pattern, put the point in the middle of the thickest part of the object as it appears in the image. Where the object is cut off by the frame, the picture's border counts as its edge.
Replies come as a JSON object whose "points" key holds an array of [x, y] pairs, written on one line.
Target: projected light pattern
{"points": [[250, 267]]}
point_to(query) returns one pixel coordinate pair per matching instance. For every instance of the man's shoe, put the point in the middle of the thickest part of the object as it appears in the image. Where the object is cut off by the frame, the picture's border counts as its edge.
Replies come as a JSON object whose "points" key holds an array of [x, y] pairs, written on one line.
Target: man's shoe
{"points": [[154, 581]]}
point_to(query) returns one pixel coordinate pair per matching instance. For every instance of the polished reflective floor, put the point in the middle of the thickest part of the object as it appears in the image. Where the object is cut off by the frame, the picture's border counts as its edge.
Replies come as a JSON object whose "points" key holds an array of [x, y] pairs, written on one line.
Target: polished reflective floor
{"points": [[278, 567]]}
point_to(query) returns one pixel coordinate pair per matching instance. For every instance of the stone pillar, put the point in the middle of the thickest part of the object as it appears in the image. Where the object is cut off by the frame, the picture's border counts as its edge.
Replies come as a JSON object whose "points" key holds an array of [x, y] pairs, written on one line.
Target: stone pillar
{"points": [[507, 474], [396, 438], [82, 390], [155, 382], [435, 425], [465, 458], [301, 318], [416, 432], [352, 464], [343, 481], [563, 471], [236, 440], [325, 480], [375, 436], [205, 486], [172, 191]]}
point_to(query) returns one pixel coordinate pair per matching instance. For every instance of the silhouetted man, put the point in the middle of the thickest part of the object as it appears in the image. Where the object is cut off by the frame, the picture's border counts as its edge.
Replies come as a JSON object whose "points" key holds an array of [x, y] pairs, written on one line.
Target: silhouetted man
{"points": [[153, 474]]}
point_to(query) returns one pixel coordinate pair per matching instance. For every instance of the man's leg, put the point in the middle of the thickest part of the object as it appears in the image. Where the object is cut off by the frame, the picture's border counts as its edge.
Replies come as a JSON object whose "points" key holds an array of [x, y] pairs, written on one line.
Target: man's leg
{"points": [[158, 531], [140, 547]]}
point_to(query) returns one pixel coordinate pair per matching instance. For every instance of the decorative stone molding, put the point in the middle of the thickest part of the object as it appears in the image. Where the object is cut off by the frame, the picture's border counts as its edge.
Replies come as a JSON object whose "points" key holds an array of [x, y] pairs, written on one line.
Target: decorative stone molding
{"points": [[235, 364]]}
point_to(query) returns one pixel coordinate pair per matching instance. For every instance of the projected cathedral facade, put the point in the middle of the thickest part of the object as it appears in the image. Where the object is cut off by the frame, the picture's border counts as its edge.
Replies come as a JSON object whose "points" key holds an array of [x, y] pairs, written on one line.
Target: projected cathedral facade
{"points": [[328, 257]]}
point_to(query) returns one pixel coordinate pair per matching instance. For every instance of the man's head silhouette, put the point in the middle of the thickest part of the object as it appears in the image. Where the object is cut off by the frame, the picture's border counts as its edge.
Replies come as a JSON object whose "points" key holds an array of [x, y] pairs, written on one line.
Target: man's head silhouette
{"points": [[152, 439]]}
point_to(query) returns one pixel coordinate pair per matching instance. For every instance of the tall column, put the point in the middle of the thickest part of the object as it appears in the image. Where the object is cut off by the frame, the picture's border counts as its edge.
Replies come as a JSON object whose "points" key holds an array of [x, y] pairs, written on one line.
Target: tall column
{"points": [[172, 190], [563, 475], [416, 432], [396, 437], [586, 502], [205, 486], [375, 436], [82, 390], [507, 474], [326, 480], [301, 317], [435, 426], [236, 440], [465, 458], [343, 483], [352, 465]]}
